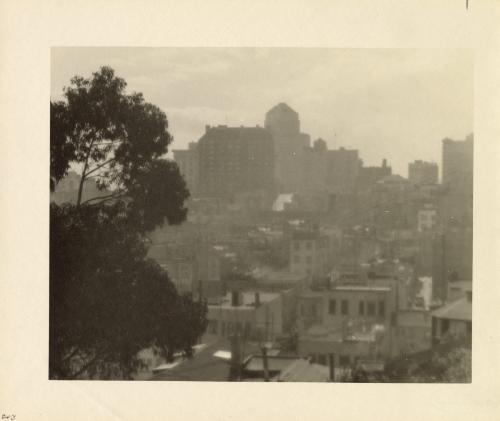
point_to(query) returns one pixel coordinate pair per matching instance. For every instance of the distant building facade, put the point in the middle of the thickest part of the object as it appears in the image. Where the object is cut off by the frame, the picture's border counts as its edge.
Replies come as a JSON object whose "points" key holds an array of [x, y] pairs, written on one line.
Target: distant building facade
{"points": [[368, 176], [284, 125], [342, 170], [193, 268], [189, 163], [233, 160], [309, 252], [254, 315], [350, 321], [458, 164], [457, 199], [421, 172]]}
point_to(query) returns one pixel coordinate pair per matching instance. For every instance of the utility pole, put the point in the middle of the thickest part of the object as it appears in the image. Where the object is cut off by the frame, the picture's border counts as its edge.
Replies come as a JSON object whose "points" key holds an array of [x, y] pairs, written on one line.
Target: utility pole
{"points": [[265, 362]]}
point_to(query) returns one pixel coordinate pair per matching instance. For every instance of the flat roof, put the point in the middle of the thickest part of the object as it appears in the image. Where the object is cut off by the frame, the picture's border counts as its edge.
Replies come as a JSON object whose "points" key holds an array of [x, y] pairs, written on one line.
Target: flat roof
{"points": [[361, 288], [247, 300]]}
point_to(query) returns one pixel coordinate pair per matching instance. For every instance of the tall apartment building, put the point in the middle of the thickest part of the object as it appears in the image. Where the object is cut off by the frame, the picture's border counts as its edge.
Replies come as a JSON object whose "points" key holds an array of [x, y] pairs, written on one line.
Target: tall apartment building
{"points": [[188, 162], [309, 254], [342, 170], [422, 172], [458, 164], [314, 167], [284, 125], [456, 201], [233, 160]]}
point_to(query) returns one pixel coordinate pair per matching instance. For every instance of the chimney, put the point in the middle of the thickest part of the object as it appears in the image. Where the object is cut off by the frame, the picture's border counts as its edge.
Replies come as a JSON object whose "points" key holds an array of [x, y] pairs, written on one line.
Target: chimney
{"points": [[384, 163], [257, 299], [207, 128], [235, 298]]}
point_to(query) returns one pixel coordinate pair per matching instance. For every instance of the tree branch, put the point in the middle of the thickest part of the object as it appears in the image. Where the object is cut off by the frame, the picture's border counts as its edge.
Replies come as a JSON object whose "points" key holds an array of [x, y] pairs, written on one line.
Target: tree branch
{"points": [[100, 166], [84, 174], [86, 366], [108, 197]]}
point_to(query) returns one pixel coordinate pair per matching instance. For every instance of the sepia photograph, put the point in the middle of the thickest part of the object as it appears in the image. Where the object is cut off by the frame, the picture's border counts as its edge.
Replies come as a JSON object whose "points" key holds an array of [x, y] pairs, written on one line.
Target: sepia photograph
{"points": [[200, 200], [261, 214]]}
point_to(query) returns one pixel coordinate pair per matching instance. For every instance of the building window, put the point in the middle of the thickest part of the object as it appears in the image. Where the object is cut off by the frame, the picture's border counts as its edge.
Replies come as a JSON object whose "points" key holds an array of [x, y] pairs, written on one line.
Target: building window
{"points": [[332, 306], [344, 307], [308, 245], [381, 308], [371, 308], [296, 245], [361, 308], [308, 260], [223, 329]]}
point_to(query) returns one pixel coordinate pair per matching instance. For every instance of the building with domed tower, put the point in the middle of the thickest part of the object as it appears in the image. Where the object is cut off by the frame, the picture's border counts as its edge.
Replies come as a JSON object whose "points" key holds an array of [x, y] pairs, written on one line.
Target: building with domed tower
{"points": [[289, 142]]}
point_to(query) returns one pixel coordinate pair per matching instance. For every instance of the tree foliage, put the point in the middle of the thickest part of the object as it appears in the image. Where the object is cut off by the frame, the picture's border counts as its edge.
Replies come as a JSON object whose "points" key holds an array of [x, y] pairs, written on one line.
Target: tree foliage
{"points": [[446, 363], [107, 300]]}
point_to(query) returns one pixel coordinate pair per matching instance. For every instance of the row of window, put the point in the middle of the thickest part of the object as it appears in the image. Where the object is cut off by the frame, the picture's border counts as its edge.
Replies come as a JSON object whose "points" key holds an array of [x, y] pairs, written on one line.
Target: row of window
{"points": [[365, 308], [226, 329]]}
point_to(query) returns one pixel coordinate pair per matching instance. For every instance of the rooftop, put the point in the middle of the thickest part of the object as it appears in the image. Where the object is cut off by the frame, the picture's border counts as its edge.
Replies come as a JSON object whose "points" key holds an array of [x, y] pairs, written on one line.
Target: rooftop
{"points": [[282, 107], [303, 371], [457, 310], [247, 300], [211, 363]]}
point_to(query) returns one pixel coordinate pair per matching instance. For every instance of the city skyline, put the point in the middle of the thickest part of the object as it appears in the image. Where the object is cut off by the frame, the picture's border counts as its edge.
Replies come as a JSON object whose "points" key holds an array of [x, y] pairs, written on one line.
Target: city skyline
{"points": [[387, 103]]}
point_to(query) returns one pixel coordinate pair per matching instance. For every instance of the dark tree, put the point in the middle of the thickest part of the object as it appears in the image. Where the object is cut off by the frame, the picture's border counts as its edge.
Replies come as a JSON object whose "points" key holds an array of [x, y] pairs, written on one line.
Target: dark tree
{"points": [[107, 300]]}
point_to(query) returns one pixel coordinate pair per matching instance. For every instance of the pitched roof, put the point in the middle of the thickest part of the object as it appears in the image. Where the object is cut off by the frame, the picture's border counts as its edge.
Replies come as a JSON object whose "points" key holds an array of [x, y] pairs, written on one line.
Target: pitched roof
{"points": [[210, 363], [457, 310], [303, 371], [204, 366]]}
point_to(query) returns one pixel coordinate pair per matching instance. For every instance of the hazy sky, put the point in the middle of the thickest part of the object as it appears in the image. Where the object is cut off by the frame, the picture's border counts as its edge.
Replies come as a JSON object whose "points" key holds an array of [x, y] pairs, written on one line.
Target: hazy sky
{"points": [[394, 104]]}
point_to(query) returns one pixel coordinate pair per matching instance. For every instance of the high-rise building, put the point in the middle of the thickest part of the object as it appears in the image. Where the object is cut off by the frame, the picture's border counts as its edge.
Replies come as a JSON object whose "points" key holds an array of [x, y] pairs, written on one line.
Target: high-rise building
{"points": [[289, 143], [458, 164], [234, 160], [313, 168], [456, 201], [421, 172], [188, 162], [342, 170]]}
